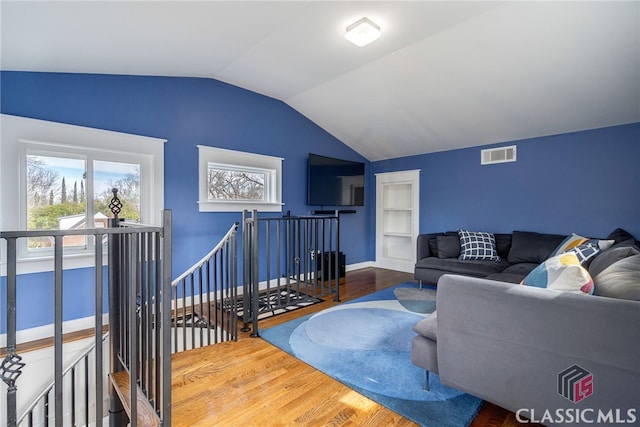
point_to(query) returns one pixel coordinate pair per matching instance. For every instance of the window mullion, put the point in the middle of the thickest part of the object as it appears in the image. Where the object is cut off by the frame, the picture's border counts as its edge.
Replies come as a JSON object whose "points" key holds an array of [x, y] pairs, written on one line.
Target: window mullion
{"points": [[89, 196]]}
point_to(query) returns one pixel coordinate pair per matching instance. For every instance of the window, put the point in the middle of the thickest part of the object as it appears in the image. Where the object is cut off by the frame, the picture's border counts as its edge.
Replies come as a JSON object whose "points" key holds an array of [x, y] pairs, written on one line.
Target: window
{"points": [[226, 182], [64, 178], [48, 207], [57, 193], [236, 181], [123, 176]]}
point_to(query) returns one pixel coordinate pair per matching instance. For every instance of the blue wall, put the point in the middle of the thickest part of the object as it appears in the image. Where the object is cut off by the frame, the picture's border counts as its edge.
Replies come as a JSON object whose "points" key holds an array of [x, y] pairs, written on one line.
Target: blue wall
{"points": [[187, 112], [35, 296], [584, 182]]}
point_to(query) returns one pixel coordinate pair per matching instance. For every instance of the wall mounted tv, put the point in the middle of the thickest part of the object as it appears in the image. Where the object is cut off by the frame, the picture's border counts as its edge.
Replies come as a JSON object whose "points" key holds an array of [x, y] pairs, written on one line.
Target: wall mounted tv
{"points": [[335, 182]]}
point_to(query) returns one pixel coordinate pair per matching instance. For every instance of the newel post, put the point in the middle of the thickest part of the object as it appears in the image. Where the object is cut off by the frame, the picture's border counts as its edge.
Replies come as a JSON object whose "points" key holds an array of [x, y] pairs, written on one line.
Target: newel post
{"points": [[117, 416], [11, 366]]}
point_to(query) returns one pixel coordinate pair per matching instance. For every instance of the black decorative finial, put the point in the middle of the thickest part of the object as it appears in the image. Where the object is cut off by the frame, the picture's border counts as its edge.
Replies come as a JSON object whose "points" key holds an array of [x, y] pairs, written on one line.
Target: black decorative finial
{"points": [[115, 205], [11, 368]]}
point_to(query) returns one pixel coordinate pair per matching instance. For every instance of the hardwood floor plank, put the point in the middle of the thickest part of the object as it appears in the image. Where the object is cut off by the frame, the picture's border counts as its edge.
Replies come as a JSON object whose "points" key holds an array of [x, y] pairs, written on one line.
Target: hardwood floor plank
{"points": [[251, 382]]}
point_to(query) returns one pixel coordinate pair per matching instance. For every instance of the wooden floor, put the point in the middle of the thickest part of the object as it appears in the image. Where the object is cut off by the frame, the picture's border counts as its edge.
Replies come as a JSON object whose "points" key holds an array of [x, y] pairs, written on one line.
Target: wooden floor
{"points": [[252, 383]]}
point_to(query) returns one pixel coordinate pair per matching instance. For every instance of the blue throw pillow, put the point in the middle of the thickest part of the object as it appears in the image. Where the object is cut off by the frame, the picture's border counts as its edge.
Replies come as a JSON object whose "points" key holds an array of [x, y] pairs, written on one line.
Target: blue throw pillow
{"points": [[477, 245]]}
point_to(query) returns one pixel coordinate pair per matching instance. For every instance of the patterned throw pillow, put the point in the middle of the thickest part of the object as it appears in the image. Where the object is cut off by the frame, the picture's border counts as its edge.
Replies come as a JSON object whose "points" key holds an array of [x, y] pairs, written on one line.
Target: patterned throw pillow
{"points": [[569, 243], [587, 251], [477, 245], [563, 273], [585, 248]]}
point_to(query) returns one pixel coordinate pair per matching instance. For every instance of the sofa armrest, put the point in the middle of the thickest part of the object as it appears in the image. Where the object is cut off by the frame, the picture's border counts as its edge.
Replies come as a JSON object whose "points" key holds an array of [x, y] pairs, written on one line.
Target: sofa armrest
{"points": [[422, 245], [508, 344]]}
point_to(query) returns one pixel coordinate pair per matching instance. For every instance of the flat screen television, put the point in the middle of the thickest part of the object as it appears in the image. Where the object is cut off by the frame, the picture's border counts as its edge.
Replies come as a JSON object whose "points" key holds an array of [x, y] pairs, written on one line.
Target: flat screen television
{"points": [[335, 182]]}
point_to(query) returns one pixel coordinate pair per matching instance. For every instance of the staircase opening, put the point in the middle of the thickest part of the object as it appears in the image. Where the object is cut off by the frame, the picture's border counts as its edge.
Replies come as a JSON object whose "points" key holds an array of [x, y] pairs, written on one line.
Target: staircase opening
{"points": [[122, 371]]}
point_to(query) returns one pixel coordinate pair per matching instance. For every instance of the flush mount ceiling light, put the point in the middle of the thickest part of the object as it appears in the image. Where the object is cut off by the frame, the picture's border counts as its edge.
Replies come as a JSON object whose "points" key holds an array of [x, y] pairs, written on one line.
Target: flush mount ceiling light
{"points": [[362, 32]]}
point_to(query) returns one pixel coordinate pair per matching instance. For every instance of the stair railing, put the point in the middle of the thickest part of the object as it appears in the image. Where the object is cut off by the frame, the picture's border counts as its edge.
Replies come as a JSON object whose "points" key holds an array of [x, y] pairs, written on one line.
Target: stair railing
{"points": [[140, 323], [139, 271], [142, 300], [203, 298], [288, 261], [77, 379]]}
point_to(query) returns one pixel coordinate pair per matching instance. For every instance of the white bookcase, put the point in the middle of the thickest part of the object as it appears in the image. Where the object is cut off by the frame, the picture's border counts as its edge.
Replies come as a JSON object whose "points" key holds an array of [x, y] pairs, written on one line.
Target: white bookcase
{"points": [[397, 219]]}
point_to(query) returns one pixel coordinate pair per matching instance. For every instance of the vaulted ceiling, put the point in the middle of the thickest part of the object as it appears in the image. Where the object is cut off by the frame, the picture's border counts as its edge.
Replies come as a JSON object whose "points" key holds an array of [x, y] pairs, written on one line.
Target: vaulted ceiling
{"points": [[444, 75]]}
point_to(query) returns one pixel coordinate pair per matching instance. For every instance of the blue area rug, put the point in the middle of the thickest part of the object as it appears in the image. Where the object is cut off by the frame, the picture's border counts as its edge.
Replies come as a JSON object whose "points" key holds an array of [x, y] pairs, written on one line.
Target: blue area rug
{"points": [[366, 345]]}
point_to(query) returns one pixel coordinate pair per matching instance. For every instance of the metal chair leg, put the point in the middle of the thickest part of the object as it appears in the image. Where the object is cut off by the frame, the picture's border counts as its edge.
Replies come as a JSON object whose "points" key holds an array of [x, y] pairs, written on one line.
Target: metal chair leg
{"points": [[426, 381]]}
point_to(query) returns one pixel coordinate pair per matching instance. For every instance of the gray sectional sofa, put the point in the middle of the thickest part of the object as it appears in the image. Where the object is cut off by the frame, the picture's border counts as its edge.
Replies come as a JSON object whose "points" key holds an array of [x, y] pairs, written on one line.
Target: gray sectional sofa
{"points": [[509, 344], [520, 252], [557, 358]]}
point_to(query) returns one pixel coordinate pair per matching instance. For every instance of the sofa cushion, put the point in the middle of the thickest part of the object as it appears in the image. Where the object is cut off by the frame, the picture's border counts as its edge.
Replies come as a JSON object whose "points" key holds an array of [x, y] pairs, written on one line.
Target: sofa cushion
{"points": [[619, 235], [448, 246], [503, 244], [433, 246], [610, 256], [563, 273], [477, 245], [620, 280], [627, 243], [531, 247], [456, 266], [514, 273], [428, 327], [523, 268], [422, 245]]}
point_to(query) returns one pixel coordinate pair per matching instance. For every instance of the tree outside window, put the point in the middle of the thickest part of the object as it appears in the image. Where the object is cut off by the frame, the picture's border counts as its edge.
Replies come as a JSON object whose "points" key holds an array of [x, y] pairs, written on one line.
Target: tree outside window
{"points": [[229, 184], [57, 195], [236, 181]]}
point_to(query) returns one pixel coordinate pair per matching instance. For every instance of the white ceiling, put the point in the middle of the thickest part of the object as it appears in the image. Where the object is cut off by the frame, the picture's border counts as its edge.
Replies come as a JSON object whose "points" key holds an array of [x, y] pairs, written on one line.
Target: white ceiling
{"points": [[444, 75]]}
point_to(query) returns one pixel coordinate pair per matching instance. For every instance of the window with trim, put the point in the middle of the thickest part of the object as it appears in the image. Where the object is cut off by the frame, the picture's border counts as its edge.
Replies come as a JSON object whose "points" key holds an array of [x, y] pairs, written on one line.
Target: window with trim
{"points": [[66, 186], [235, 181], [63, 177]]}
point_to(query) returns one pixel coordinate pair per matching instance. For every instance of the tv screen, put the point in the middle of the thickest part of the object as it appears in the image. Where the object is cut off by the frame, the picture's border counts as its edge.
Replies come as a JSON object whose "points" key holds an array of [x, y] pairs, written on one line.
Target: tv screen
{"points": [[335, 182]]}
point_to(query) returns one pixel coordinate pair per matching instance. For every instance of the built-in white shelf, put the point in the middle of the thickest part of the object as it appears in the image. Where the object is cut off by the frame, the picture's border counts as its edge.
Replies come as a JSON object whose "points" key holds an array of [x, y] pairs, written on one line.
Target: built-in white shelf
{"points": [[397, 219]]}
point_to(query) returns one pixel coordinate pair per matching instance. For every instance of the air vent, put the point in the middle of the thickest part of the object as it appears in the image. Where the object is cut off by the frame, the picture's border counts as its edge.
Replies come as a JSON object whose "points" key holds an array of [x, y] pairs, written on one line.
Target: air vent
{"points": [[498, 155]]}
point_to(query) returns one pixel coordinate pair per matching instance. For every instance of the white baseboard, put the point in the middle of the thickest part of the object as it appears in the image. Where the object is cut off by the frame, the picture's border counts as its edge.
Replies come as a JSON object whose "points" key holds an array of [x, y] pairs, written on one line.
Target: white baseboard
{"points": [[359, 265]]}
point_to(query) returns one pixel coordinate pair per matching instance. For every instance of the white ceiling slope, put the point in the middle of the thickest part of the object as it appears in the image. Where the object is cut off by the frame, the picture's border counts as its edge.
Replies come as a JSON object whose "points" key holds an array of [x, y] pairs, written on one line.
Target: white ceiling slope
{"points": [[444, 75]]}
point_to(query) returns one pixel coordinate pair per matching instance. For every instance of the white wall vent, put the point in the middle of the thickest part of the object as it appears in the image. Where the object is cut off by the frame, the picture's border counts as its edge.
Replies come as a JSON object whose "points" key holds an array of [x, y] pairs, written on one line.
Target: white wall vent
{"points": [[490, 156]]}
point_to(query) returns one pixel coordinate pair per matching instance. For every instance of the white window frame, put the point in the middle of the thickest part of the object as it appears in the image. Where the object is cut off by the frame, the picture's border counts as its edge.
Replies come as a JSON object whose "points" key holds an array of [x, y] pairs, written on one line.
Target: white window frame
{"points": [[239, 161], [88, 155], [22, 136]]}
